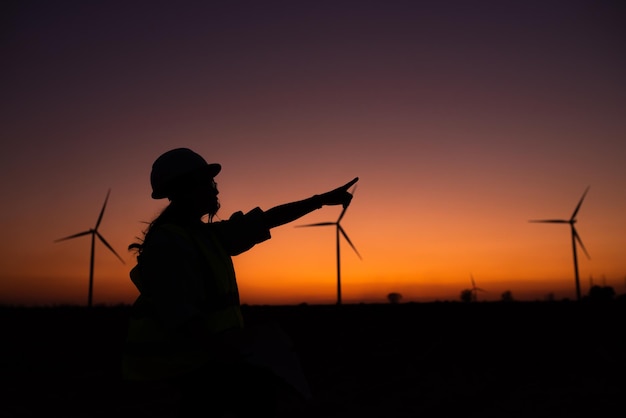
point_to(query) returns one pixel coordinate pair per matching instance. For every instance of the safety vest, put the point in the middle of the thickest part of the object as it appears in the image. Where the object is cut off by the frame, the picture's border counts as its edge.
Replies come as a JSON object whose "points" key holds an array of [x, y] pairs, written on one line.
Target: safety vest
{"points": [[153, 352]]}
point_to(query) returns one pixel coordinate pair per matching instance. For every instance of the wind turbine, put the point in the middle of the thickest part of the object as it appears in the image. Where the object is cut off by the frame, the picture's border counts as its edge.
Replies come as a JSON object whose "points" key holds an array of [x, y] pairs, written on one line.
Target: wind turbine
{"points": [[575, 237], [94, 232], [339, 231], [475, 289]]}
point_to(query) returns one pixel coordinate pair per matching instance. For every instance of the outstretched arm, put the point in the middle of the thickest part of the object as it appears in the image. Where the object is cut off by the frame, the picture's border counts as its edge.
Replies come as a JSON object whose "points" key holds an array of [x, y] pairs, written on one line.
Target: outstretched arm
{"points": [[282, 214]]}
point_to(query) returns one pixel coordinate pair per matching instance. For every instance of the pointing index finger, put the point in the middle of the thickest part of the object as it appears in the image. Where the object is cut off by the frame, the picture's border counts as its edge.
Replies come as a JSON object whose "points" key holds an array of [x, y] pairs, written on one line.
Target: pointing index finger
{"points": [[350, 183]]}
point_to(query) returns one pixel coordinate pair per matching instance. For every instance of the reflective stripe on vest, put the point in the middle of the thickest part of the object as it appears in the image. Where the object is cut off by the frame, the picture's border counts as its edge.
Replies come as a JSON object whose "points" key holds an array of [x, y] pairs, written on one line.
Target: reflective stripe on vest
{"points": [[153, 353]]}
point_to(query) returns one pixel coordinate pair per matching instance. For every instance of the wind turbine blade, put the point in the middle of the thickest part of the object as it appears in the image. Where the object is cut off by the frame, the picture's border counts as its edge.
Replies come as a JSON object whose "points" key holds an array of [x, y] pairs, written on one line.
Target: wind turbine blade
{"points": [[580, 242], [580, 202], [80, 234], [473, 283], [343, 212], [550, 221], [317, 224], [348, 239], [345, 208], [109, 246], [102, 211]]}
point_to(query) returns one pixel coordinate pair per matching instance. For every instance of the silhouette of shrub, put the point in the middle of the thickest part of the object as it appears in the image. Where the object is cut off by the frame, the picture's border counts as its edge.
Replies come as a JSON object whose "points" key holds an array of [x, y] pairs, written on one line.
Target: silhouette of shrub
{"points": [[507, 296], [601, 293], [467, 295], [394, 297]]}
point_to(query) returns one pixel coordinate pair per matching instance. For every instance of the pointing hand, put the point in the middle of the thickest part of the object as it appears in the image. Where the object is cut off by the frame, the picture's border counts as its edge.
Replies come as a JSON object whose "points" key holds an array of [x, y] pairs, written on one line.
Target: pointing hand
{"points": [[340, 195]]}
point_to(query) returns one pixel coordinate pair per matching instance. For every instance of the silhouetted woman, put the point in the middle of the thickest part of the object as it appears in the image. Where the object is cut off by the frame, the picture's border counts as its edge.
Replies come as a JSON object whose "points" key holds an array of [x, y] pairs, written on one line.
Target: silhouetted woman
{"points": [[186, 325]]}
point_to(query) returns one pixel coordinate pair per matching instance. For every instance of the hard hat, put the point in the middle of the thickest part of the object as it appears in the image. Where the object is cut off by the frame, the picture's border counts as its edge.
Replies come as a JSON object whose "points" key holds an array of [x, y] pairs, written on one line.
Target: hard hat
{"points": [[174, 164]]}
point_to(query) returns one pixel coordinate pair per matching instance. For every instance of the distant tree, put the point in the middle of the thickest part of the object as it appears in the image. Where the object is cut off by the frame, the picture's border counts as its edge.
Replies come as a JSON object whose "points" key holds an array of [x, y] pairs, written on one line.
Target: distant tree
{"points": [[601, 293], [394, 297], [550, 297], [507, 296], [467, 295]]}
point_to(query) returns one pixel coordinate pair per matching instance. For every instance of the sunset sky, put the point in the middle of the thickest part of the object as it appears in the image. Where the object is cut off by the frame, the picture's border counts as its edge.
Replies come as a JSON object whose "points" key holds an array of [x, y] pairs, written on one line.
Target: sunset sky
{"points": [[463, 121]]}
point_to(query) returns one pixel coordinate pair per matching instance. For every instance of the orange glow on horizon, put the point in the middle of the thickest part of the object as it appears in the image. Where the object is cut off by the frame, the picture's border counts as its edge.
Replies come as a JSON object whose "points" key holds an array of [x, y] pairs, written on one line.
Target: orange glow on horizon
{"points": [[459, 134], [428, 260]]}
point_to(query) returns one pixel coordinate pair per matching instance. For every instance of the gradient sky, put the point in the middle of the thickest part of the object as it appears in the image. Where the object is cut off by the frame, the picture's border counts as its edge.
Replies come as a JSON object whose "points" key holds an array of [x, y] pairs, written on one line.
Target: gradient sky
{"points": [[463, 120]]}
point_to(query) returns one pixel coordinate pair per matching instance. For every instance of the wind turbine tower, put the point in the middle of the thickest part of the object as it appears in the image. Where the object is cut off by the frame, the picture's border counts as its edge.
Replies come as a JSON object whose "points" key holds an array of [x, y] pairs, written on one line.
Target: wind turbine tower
{"points": [[94, 232], [339, 231], [575, 238]]}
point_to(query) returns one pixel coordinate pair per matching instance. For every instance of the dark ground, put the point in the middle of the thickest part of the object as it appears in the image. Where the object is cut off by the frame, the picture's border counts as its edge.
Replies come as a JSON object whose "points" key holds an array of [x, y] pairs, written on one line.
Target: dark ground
{"points": [[449, 359]]}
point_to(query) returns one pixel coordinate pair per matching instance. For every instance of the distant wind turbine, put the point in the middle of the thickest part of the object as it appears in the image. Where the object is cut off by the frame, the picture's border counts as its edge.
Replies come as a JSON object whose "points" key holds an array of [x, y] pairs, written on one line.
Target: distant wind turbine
{"points": [[339, 231], [475, 289], [575, 237], [94, 232]]}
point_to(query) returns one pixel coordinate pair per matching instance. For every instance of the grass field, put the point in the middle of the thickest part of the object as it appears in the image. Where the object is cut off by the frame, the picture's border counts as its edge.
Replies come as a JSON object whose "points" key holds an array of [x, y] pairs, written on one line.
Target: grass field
{"points": [[452, 359]]}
